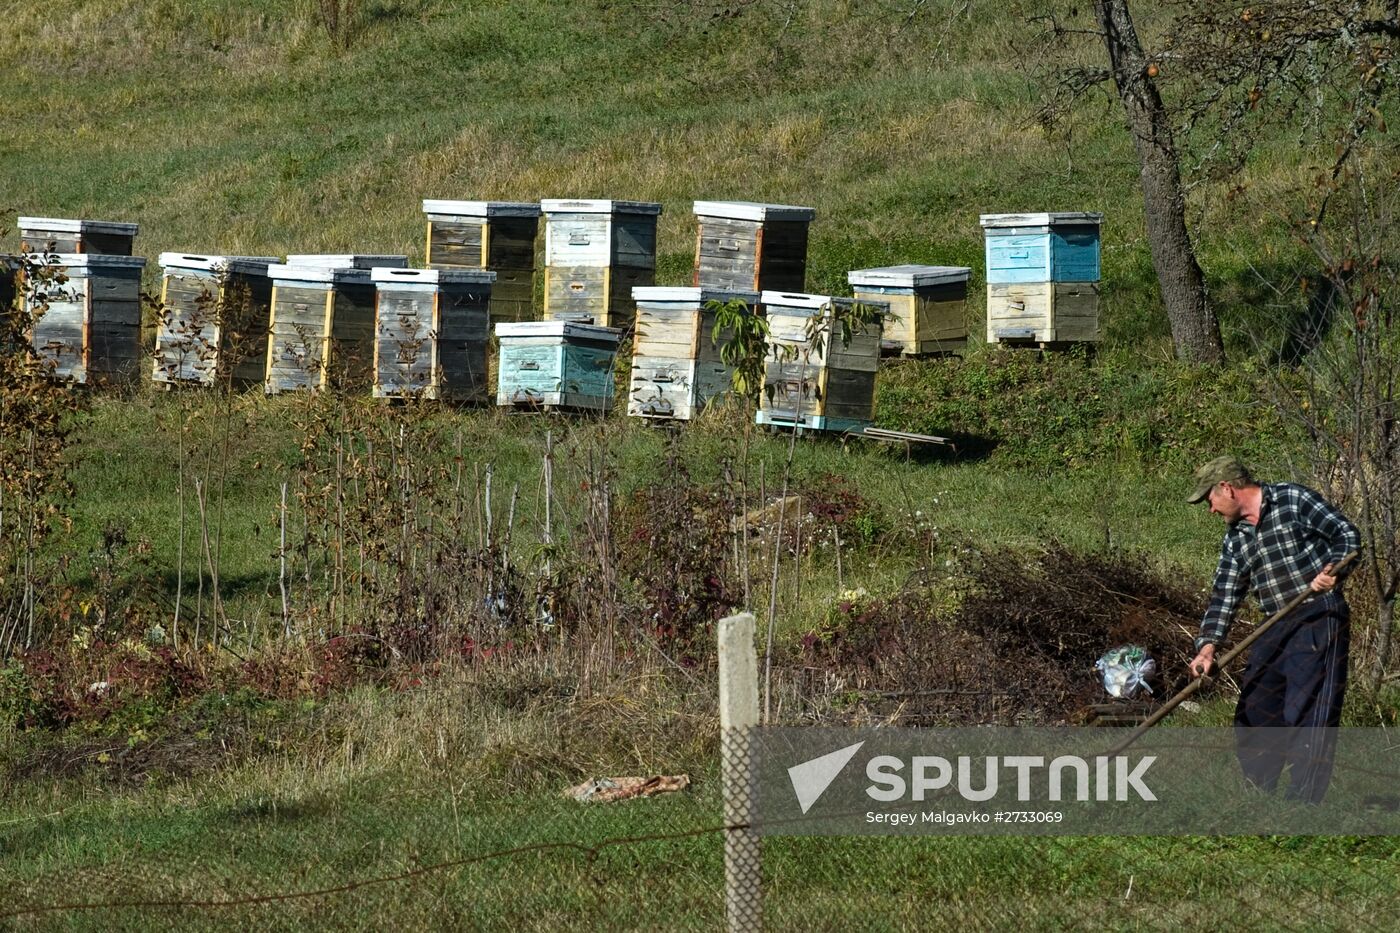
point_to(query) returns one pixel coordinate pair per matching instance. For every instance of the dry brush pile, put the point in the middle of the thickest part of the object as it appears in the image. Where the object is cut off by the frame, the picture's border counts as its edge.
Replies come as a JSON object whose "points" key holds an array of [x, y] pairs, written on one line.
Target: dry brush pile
{"points": [[1016, 644]]}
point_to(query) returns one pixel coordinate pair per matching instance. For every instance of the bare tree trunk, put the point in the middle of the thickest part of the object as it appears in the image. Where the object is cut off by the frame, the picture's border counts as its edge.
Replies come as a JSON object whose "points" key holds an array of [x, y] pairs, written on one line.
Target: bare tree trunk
{"points": [[1195, 331]]}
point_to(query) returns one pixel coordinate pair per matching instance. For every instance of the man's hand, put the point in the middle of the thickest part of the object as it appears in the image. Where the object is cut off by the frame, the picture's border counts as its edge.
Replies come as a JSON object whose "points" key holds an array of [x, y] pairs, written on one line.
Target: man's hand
{"points": [[1203, 661], [1324, 581]]}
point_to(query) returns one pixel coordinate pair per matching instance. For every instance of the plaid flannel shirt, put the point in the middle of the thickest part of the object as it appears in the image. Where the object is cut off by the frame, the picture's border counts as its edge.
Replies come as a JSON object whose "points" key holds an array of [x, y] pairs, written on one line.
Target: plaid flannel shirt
{"points": [[1298, 534]]}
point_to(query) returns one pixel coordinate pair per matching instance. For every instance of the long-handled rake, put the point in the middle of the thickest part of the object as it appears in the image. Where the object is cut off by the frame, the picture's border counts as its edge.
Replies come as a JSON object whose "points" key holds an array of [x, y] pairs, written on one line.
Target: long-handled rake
{"points": [[1166, 708]]}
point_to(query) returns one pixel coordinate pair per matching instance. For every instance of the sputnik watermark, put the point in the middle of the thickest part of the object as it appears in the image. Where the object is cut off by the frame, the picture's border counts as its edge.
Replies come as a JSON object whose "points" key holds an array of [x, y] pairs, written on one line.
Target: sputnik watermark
{"points": [[1112, 778], [811, 778], [1106, 779], [997, 780]]}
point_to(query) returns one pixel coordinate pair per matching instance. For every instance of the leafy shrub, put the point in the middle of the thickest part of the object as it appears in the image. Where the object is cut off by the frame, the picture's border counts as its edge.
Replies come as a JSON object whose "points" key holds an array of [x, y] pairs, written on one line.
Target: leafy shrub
{"points": [[115, 686]]}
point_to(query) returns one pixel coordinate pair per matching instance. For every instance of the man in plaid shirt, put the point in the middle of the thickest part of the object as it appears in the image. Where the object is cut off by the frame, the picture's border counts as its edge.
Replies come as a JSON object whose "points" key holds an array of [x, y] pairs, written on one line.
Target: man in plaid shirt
{"points": [[1281, 540]]}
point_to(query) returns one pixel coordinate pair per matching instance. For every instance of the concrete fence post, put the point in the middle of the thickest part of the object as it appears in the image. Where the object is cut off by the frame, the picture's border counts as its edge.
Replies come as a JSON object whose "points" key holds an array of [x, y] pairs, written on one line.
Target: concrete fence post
{"points": [[738, 717]]}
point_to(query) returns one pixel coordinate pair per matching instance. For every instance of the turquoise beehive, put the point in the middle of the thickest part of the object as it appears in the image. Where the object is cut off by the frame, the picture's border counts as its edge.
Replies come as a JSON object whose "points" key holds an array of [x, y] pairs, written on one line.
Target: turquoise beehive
{"points": [[556, 364]]}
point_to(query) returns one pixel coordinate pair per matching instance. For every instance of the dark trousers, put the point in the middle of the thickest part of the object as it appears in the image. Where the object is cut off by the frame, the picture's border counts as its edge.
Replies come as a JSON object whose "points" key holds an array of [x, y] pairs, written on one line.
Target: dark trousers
{"points": [[1291, 699]]}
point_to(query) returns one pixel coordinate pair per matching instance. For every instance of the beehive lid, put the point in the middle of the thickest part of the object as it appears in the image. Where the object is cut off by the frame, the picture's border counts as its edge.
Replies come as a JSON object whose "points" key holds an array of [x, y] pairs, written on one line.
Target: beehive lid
{"points": [[347, 260], [66, 225], [752, 210], [1049, 219], [480, 209], [557, 329], [307, 272], [395, 276], [82, 262], [248, 265], [586, 206], [688, 294], [912, 276]]}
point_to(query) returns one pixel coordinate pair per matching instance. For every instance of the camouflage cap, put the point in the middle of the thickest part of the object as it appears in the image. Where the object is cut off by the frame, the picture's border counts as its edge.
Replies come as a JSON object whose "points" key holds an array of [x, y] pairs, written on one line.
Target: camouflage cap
{"points": [[1220, 470]]}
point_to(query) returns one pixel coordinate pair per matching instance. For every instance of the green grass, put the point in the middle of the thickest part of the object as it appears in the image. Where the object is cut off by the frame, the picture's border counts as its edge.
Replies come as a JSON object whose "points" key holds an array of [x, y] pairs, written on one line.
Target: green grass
{"points": [[126, 476]]}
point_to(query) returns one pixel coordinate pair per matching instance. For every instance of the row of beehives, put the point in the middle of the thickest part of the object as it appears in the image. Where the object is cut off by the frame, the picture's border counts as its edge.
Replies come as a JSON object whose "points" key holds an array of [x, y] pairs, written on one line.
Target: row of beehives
{"points": [[311, 321], [1042, 269]]}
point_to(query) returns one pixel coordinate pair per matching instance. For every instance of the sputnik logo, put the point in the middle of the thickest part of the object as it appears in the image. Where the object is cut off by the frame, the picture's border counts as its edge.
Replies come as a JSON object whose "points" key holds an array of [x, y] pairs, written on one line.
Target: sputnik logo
{"points": [[811, 778]]}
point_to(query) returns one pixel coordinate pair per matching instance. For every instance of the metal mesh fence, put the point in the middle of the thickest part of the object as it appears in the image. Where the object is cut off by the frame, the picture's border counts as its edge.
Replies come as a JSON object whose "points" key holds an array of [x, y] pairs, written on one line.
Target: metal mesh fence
{"points": [[743, 855]]}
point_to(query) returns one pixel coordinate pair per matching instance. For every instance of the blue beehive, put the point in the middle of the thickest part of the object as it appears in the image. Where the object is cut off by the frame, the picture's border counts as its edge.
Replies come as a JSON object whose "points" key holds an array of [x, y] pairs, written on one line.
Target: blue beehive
{"points": [[1042, 277], [1050, 247], [556, 364]]}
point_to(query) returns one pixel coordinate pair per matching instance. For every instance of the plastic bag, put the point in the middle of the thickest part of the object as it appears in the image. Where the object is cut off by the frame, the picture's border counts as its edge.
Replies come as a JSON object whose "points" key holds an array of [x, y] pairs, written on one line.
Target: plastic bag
{"points": [[1126, 670]]}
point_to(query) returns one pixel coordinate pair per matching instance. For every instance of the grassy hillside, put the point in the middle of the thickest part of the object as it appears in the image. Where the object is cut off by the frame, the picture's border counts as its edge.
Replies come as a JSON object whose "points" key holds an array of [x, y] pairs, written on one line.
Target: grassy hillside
{"points": [[246, 128]]}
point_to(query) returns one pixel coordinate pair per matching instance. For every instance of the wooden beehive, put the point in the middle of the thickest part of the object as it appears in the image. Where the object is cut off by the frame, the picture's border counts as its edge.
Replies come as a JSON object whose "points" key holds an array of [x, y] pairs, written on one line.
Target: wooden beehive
{"points": [[494, 235], [1043, 312], [1047, 247], [62, 235], [1042, 277], [214, 319], [676, 366], [744, 245], [595, 253], [928, 306], [91, 329], [556, 364], [817, 382], [431, 331], [321, 333]]}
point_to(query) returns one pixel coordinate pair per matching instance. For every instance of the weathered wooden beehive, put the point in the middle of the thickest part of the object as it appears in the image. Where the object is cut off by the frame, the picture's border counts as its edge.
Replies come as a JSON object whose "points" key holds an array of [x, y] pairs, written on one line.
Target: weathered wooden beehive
{"points": [[744, 245], [321, 333], [814, 381], [214, 319], [431, 331], [928, 306], [595, 253], [556, 364], [494, 235], [61, 235], [91, 329], [676, 366], [1042, 277]]}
